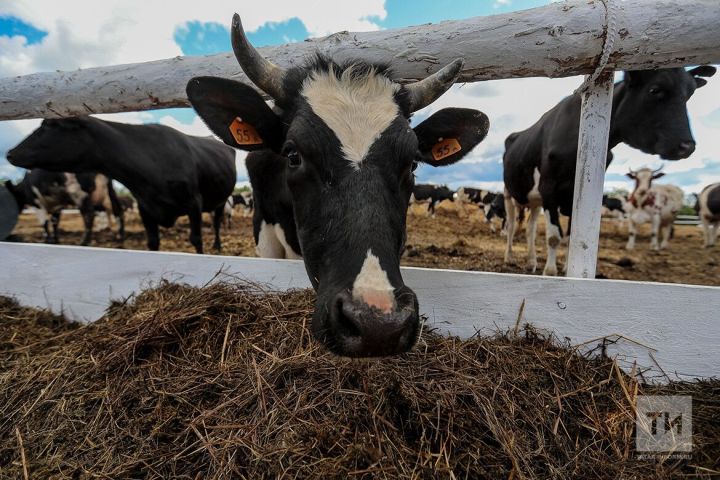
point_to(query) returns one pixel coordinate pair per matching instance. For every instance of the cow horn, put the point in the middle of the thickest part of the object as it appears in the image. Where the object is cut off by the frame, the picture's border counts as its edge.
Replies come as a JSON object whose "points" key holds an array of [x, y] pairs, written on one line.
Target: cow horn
{"points": [[657, 170], [267, 76], [426, 91]]}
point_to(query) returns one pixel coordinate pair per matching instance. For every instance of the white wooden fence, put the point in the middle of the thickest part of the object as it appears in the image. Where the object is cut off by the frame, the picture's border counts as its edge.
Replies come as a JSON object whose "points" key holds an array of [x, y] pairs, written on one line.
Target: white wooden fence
{"points": [[672, 326]]}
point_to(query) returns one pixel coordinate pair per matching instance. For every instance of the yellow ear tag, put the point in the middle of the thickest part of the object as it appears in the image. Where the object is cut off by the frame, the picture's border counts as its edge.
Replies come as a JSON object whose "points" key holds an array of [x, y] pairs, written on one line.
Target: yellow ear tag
{"points": [[445, 148], [244, 133]]}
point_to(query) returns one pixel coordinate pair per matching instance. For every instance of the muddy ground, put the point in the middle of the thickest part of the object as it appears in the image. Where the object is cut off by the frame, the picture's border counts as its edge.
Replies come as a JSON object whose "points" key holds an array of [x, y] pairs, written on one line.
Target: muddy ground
{"points": [[452, 240]]}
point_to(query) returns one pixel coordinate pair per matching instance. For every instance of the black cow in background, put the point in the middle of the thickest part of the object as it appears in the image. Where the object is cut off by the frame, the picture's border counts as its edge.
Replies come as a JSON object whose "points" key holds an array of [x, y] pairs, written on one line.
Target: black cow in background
{"points": [[50, 192], [648, 113], [170, 174], [433, 194]]}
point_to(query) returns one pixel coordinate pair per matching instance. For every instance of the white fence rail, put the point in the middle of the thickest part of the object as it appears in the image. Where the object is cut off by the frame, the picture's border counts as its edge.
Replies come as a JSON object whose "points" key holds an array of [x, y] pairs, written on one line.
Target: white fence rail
{"points": [[669, 329]]}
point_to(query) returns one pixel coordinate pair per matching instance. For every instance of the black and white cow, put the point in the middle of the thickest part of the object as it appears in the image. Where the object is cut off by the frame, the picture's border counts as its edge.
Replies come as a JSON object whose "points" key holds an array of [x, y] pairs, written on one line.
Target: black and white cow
{"points": [[50, 192], [170, 174], [708, 209], [331, 167], [432, 194], [491, 203], [245, 200], [648, 113], [613, 206]]}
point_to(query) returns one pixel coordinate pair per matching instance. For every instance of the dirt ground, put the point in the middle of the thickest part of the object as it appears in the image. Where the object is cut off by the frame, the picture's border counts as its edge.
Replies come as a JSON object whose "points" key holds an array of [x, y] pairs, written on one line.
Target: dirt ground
{"points": [[451, 240]]}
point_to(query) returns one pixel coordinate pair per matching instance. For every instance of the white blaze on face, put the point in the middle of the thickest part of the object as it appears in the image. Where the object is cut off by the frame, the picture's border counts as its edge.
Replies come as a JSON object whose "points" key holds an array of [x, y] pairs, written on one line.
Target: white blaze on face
{"points": [[357, 110], [372, 285]]}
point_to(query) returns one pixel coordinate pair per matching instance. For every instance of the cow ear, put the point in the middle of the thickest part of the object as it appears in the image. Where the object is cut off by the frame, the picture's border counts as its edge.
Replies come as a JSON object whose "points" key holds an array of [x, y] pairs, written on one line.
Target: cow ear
{"points": [[450, 134], [633, 78], [236, 113], [631, 175], [658, 175], [702, 71]]}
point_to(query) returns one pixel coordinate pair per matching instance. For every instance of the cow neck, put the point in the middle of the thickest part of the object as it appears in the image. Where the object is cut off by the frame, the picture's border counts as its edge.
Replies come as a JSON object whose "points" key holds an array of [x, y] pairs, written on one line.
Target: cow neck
{"points": [[616, 134]]}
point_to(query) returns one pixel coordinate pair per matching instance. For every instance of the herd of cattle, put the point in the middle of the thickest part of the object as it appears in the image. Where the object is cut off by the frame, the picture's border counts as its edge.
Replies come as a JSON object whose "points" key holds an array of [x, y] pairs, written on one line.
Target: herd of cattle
{"points": [[331, 167]]}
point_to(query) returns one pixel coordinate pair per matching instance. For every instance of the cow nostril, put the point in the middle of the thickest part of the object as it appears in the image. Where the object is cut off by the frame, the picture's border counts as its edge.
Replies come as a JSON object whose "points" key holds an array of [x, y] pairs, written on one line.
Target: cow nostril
{"points": [[686, 147], [344, 318]]}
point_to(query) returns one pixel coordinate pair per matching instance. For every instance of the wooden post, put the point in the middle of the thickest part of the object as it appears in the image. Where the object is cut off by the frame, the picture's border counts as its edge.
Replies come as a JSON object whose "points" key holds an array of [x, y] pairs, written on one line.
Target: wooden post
{"points": [[590, 176]]}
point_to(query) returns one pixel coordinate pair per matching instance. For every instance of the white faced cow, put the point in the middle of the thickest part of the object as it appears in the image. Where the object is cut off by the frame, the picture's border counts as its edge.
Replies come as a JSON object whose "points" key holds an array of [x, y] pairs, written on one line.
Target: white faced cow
{"points": [[708, 208], [332, 172], [658, 204], [648, 113]]}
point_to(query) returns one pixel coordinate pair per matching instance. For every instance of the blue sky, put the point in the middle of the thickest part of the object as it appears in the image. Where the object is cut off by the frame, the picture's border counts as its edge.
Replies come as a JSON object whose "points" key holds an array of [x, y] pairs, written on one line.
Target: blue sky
{"points": [[46, 35]]}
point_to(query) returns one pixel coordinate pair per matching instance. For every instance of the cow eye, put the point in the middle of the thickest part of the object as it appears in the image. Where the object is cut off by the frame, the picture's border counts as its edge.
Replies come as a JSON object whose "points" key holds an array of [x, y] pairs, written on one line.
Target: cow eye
{"points": [[656, 91], [414, 166], [294, 159]]}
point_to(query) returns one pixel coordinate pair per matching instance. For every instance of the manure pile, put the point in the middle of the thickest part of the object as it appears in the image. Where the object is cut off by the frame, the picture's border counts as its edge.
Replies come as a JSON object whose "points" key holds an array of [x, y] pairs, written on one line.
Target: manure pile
{"points": [[225, 381]]}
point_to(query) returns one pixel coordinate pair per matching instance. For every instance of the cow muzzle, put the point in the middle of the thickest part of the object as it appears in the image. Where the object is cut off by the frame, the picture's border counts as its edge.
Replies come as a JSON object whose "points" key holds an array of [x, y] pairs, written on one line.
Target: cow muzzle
{"points": [[356, 329]]}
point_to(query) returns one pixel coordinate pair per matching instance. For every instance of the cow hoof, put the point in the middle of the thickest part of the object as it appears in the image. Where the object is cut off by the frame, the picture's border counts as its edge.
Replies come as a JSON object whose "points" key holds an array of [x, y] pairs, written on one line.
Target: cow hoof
{"points": [[531, 267], [550, 271]]}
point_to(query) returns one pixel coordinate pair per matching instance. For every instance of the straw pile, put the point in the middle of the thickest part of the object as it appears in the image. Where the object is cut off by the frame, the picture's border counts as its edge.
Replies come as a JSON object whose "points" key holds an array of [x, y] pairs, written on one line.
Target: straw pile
{"points": [[225, 381]]}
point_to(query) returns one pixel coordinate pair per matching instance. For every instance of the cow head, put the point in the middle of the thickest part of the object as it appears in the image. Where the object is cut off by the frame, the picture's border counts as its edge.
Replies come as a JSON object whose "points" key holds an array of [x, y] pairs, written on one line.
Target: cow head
{"points": [[643, 182], [350, 154], [652, 112], [58, 145]]}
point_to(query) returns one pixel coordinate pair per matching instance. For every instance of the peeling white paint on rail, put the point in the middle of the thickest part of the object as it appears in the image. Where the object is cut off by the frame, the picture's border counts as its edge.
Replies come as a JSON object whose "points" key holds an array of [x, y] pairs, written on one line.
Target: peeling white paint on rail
{"points": [[680, 322]]}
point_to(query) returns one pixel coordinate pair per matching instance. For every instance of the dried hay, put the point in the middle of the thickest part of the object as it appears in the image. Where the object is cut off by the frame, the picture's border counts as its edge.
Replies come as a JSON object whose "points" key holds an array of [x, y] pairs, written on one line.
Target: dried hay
{"points": [[225, 381]]}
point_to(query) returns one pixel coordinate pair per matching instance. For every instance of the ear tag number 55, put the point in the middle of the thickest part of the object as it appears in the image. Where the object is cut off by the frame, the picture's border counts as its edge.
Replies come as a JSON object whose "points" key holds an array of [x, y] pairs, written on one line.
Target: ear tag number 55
{"points": [[244, 133]]}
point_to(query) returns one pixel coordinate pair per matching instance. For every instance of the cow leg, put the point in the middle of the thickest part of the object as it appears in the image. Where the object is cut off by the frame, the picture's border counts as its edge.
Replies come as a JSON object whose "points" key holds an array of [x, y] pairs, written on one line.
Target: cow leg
{"points": [[195, 216], [218, 216], [666, 230], [55, 220], [118, 212], [431, 208], [654, 232], [151, 230], [531, 230], [553, 234], [714, 233], [87, 210], [632, 232], [707, 233], [510, 215]]}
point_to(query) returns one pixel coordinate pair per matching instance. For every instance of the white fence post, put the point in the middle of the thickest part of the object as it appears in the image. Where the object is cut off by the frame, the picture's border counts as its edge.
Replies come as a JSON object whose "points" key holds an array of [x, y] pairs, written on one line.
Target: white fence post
{"points": [[590, 176]]}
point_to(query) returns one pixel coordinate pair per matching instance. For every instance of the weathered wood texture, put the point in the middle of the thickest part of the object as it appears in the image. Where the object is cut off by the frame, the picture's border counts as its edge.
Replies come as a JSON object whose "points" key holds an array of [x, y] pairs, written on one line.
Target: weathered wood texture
{"points": [[560, 39], [589, 177], [678, 321]]}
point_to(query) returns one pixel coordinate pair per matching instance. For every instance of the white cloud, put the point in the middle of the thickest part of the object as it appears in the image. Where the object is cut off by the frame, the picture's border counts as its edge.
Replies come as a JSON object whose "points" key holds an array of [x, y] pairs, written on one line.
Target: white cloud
{"points": [[85, 33]]}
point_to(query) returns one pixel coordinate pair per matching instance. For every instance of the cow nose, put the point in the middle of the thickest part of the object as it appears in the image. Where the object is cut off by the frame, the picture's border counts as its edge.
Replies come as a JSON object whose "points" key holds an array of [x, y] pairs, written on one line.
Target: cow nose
{"points": [[358, 330], [9, 155], [685, 149]]}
